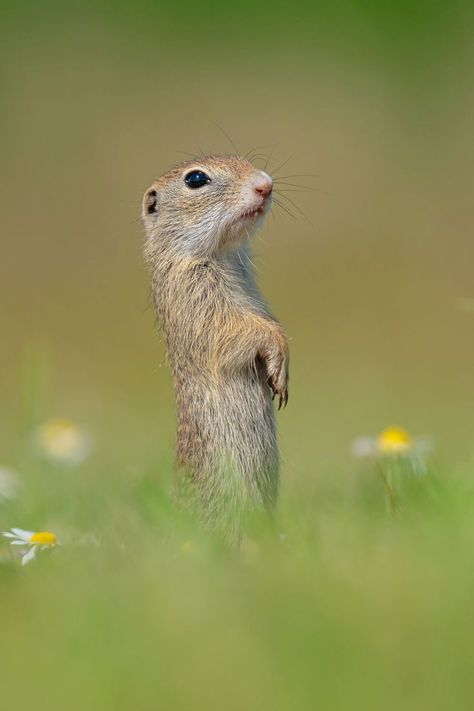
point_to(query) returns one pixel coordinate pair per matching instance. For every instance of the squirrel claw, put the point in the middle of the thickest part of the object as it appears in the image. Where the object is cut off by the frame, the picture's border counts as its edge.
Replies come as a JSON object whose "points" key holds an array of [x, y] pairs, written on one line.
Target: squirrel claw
{"points": [[276, 362], [283, 399], [282, 395]]}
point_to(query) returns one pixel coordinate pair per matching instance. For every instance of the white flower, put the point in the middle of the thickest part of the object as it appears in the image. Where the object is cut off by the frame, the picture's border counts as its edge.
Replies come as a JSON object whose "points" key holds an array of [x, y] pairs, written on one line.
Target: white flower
{"points": [[393, 442], [8, 484], [31, 540], [63, 441]]}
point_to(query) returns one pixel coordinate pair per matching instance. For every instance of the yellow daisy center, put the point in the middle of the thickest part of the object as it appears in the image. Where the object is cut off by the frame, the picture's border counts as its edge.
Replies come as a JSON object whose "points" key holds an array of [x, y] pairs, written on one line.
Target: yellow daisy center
{"points": [[61, 438], [394, 440], [43, 538]]}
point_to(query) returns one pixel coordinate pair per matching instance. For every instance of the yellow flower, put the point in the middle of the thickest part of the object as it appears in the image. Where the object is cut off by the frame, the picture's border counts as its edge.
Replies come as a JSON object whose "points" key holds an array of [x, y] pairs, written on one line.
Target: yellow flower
{"points": [[43, 538], [394, 440], [33, 540], [61, 440]]}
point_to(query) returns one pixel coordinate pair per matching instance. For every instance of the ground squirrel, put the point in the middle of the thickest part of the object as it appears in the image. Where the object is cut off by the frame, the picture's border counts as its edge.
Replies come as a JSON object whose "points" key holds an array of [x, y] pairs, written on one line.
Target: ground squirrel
{"points": [[228, 354]]}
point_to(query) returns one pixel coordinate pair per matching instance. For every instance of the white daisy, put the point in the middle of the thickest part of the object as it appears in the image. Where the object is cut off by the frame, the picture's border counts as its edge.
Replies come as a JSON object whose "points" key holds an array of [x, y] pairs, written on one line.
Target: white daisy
{"points": [[61, 440], [392, 442], [31, 540]]}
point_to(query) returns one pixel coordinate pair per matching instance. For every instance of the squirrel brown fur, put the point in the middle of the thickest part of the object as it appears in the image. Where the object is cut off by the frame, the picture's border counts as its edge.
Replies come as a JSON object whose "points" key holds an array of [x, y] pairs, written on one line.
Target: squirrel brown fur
{"points": [[228, 354]]}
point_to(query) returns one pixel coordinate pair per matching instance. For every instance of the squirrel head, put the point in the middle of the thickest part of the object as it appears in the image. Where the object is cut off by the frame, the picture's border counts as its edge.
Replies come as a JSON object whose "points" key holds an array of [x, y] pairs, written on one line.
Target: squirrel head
{"points": [[206, 206]]}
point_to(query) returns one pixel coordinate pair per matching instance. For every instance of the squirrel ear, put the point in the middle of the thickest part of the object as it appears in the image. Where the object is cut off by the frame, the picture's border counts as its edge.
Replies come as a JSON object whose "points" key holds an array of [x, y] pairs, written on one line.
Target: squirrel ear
{"points": [[150, 202]]}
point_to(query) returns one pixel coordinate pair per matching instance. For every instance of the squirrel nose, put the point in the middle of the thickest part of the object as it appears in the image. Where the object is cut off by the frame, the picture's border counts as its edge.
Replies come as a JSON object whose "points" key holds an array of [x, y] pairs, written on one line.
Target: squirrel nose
{"points": [[263, 185]]}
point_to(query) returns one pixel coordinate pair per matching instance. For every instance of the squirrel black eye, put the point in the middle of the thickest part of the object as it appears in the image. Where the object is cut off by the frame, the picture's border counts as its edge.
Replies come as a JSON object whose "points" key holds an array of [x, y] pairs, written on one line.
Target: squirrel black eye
{"points": [[196, 179]]}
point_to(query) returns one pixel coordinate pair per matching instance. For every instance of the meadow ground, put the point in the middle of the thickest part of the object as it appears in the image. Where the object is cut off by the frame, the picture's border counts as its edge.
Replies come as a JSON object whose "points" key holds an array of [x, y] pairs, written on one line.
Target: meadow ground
{"points": [[360, 596]]}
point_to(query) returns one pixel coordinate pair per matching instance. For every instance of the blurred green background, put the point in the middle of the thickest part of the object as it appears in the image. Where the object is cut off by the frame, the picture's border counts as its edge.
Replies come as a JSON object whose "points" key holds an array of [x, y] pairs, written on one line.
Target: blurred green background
{"points": [[374, 101], [371, 104]]}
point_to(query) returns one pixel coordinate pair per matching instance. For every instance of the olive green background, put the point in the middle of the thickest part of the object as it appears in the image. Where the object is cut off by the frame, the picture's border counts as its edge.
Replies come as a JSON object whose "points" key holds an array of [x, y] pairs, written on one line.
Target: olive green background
{"points": [[374, 102], [371, 105]]}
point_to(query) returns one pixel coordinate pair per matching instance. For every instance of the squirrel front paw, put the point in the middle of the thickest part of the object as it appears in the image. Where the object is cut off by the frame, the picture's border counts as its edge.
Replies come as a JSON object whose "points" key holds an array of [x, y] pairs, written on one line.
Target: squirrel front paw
{"points": [[276, 363]]}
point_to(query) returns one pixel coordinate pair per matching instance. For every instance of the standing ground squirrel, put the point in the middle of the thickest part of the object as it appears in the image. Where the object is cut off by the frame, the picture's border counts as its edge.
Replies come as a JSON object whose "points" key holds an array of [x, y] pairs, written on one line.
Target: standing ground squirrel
{"points": [[228, 354]]}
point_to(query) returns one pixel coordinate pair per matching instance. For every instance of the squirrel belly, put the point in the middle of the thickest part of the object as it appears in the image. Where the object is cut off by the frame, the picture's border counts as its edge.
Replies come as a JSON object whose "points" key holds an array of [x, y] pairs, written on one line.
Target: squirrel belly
{"points": [[226, 435], [226, 445]]}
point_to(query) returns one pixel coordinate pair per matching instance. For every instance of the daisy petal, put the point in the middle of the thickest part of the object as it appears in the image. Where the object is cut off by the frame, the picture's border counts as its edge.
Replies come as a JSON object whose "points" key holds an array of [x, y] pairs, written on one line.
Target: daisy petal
{"points": [[364, 446], [29, 555], [424, 445], [21, 533]]}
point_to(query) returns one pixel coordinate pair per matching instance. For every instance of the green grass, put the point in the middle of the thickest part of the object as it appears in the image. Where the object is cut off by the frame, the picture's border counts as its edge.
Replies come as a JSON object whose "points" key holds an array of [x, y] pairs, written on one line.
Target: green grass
{"points": [[353, 607]]}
